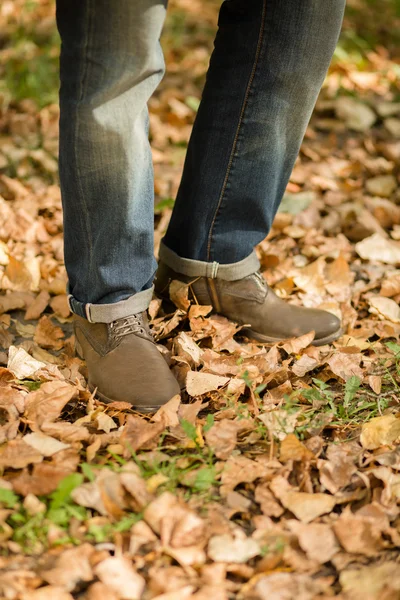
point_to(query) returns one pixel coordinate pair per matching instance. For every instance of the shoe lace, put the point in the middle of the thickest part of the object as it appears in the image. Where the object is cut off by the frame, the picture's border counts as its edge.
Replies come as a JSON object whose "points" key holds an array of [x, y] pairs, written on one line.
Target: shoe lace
{"points": [[127, 325]]}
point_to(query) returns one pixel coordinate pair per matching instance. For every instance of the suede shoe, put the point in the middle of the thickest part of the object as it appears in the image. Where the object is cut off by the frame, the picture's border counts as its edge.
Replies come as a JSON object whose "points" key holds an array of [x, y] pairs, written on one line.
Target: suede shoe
{"points": [[250, 301], [124, 363]]}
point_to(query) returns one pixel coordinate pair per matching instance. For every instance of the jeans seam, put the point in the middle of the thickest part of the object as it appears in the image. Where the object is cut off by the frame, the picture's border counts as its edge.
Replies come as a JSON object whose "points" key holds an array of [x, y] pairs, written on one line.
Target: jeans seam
{"points": [[241, 116], [80, 97]]}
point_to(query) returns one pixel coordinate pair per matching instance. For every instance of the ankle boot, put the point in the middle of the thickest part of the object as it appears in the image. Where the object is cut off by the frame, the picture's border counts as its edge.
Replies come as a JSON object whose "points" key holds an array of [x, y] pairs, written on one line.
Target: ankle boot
{"points": [[250, 301], [124, 363]]}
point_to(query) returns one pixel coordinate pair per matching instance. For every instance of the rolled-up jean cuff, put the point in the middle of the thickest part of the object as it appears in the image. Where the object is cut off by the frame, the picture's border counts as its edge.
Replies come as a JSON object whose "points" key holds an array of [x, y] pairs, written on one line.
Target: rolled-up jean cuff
{"points": [[107, 313], [212, 270]]}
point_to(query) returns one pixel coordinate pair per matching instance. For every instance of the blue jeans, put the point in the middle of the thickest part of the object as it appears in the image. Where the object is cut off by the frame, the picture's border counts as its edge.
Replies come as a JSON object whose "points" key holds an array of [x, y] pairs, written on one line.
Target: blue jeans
{"points": [[265, 73]]}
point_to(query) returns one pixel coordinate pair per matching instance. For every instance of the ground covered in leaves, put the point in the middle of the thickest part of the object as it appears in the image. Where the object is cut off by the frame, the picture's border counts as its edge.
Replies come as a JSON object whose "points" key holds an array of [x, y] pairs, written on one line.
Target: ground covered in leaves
{"points": [[277, 475]]}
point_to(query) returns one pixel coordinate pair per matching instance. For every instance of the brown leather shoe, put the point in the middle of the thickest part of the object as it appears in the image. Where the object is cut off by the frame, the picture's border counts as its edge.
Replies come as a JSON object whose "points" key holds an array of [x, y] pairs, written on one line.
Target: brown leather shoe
{"points": [[124, 363], [249, 301]]}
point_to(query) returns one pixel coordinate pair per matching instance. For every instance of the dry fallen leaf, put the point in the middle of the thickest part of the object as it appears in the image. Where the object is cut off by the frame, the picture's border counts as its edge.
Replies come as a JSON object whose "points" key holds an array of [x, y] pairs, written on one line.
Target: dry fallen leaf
{"points": [[168, 413], [118, 574], [176, 524], [48, 335], [357, 115], [316, 539], [71, 568], [179, 294], [138, 433], [358, 534], [106, 494], [306, 507], [346, 365], [17, 455], [38, 306], [46, 445], [222, 437], [100, 591], [233, 549], [105, 422], [379, 248], [294, 345], [21, 364], [47, 402], [199, 383], [372, 581], [385, 308], [292, 449], [380, 431], [48, 592]]}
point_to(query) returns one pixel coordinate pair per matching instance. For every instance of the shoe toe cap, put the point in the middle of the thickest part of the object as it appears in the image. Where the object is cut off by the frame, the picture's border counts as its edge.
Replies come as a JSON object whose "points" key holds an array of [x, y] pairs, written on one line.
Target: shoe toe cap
{"points": [[329, 326]]}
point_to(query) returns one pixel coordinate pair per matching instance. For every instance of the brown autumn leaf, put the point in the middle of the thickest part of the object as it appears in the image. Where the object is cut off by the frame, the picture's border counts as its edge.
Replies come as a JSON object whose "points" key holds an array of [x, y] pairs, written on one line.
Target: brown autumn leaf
{"points": [[292, 585], [174, 522], [71, 568], [168, 413], [295, 345], [100, 591], [45, 444], [48, 592], [185, 347], [346, 365], [105, 494], [317, 540], [235, 548], [380, 431], [306, 507], [66, 432], [379, 248], [179, 294], [60, 307], [38, 306], [16, 454], [222, 437], [135, 485], [21, 364], [385, 308], [46, 476], [140, 535], [336, 472], [18, 275], [104, 422], [358, 534], [240, 469], [269, 506], [292, 449], [48, 335], [199, 383], [118, 574], [391, 285], [48, 401], [372, 581], [304, 364], [139, 434], [11, 301]]}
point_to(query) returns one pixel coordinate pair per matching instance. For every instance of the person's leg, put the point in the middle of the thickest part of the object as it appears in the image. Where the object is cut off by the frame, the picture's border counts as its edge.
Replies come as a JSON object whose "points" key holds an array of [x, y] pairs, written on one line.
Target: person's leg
{"points": [[111, 62], [268, 65]]}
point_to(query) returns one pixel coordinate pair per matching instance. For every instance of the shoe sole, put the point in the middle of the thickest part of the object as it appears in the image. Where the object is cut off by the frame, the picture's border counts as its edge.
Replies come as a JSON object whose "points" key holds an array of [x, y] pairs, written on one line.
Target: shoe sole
{"points": [[260, 337], [142, 409]]}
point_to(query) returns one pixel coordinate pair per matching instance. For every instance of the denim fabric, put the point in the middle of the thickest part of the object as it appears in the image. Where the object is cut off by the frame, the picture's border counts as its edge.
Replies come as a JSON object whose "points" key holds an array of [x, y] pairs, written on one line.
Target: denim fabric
{"points": [[269, 62], [111, 62]]}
